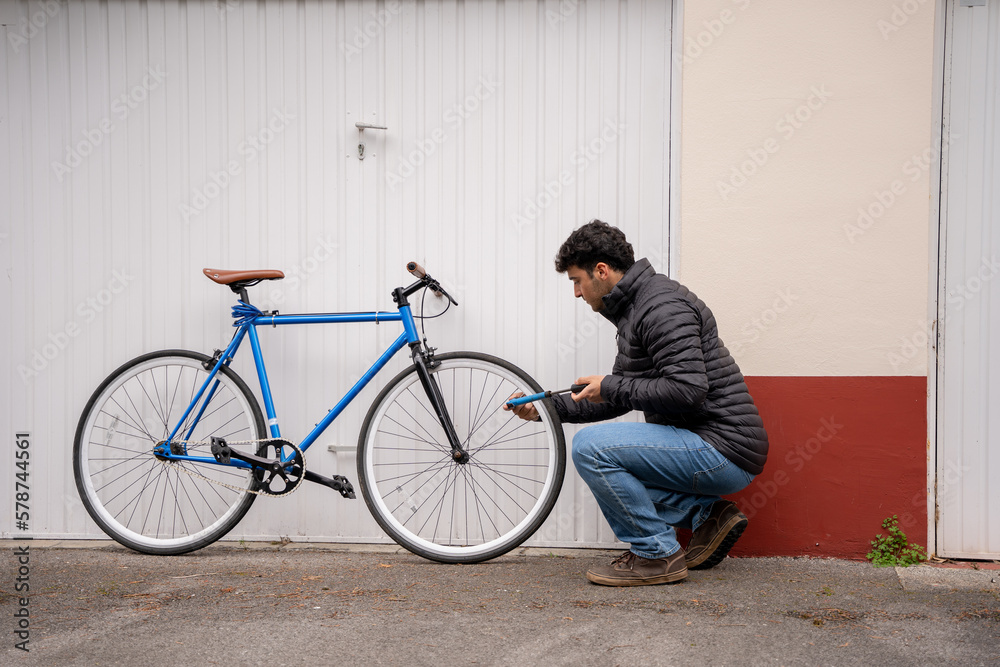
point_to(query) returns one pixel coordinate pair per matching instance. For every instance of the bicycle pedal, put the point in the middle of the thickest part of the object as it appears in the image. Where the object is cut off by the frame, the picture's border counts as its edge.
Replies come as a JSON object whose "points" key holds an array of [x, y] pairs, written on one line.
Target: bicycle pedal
{"points": [[221, 451], [346, 488], [337, 483]]}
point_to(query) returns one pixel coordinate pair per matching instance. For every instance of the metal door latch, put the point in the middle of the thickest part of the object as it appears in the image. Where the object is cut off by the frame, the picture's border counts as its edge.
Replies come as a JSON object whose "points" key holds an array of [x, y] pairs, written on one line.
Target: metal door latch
{"points": [[361, 131]]}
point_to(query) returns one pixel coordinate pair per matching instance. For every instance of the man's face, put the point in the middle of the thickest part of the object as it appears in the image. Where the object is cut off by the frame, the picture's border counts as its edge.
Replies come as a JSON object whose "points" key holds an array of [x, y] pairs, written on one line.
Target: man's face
{"points": [[590, 288]]}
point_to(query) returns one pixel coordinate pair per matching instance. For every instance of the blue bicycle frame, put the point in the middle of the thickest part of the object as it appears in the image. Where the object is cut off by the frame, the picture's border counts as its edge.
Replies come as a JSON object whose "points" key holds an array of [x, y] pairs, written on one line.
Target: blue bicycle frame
{"points": [[248, 318]]}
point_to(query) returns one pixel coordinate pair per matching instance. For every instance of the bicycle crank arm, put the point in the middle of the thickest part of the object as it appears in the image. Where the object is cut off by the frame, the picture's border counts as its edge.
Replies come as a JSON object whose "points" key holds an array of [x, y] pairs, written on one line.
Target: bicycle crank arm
{"points": [[337, 483], [223, 453], [576, 389]]}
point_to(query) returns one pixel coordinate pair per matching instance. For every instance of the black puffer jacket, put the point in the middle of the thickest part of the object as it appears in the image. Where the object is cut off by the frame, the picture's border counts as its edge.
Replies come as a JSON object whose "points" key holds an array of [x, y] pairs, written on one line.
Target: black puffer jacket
{"points": [[672, 365]]}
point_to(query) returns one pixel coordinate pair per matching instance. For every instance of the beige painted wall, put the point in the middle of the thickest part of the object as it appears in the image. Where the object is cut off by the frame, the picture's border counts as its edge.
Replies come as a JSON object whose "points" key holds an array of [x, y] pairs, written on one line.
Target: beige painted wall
{"points": [[798, 285]]}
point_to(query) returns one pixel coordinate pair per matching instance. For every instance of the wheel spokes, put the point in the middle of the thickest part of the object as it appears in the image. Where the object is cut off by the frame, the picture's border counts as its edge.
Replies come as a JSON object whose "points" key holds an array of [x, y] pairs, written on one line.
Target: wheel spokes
{"points": [[440, 501]]}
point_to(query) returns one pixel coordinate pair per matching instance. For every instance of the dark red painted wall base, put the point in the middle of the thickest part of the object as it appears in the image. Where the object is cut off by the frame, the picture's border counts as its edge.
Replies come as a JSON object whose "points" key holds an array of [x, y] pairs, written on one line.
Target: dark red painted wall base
{"points": [[845, 453]]}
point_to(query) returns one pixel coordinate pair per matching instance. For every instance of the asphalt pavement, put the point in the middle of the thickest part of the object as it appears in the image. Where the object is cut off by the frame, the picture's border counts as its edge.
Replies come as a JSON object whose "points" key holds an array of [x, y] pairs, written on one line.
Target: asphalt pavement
{"points": [[97, 603]]}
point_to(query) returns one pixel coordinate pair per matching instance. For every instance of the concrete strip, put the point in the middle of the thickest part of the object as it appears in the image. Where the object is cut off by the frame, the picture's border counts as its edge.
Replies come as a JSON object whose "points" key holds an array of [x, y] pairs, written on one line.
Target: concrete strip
{"points": [[924, 578], [321, 604], [332, 547]]}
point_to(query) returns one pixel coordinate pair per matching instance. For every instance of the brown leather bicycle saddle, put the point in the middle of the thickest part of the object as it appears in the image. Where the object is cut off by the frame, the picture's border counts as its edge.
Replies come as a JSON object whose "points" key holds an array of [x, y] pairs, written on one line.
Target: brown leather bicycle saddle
{"points": [[255, 275]]}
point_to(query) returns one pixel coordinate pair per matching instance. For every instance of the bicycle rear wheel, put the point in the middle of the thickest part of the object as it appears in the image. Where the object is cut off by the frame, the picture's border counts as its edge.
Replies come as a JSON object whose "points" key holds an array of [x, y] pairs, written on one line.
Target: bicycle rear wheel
{"points": [[448, 511], [143, 502]]}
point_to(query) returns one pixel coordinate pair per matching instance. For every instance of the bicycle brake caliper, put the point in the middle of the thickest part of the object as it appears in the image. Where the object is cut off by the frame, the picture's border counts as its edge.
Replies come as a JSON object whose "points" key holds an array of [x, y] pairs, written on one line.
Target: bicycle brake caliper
{"points": [[428, 354], [210, 364]]}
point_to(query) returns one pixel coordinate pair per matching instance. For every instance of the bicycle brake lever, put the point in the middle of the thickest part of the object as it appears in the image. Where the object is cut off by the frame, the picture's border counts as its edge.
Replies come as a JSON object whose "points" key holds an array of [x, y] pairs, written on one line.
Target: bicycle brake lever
{"points": [[435, 287]]}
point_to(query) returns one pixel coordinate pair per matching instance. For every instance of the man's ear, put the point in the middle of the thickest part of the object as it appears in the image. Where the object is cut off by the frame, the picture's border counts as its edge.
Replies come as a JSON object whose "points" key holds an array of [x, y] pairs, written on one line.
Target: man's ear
{"points": [[602, 271]]}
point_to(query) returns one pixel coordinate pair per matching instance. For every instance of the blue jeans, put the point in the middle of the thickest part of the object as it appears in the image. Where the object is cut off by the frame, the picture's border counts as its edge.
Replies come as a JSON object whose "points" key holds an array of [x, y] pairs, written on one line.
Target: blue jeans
{"points": [[648, 478]]}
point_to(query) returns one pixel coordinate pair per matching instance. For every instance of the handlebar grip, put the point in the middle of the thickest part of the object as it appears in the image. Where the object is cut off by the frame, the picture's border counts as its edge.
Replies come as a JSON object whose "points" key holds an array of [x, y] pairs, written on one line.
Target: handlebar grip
{"points": [[577, 388], [434, 286], [416, 269]]}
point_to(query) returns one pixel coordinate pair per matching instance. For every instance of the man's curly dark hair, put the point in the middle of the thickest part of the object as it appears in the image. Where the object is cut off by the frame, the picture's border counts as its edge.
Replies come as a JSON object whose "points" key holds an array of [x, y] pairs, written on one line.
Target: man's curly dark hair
{"points": [[595, 242]]}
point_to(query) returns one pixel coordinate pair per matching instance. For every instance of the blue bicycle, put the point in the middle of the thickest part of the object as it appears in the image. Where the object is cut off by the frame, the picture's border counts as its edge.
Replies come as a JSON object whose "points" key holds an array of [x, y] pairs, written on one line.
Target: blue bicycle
{"points": [[172, 449]]}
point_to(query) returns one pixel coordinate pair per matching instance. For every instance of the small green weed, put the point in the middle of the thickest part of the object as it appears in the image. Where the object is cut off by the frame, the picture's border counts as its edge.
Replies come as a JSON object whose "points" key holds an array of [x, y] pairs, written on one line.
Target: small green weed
{"points": [[893, 550]]}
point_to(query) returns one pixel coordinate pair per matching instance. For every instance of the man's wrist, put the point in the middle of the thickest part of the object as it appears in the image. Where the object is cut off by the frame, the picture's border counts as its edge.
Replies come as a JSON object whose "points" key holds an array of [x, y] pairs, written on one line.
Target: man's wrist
{"points": [[609, 385]]}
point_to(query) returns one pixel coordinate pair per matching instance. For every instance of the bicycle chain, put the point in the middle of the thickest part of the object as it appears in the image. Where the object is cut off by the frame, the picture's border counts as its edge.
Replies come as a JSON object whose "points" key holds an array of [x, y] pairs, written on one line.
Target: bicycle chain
{"points": [[240, 489]]}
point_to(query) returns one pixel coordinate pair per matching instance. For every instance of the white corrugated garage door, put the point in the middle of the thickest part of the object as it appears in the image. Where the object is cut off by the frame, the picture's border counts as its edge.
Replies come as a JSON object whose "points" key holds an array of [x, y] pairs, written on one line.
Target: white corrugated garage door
{"points": [[142, 141], [968, 465]]}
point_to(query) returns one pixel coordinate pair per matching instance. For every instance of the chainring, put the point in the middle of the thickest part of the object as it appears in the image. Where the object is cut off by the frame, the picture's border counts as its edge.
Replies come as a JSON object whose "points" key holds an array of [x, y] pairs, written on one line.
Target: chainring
{"points": [[280, 480], [290, 481]]}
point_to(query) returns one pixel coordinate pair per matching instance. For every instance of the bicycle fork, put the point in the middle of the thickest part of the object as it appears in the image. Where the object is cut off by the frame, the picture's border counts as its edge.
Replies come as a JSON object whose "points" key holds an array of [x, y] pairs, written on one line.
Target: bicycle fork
{"points": [[420, 360]]}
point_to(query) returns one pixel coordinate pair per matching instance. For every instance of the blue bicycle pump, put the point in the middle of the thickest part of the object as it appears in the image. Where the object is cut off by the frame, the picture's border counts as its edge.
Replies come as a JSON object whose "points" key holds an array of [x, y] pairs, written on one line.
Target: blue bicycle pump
{"points": [[576, 389]]}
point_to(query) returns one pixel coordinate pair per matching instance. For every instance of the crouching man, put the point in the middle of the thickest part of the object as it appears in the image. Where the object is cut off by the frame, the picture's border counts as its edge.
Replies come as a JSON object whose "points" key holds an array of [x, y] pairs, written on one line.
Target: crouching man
{"points": [[703, 437]]}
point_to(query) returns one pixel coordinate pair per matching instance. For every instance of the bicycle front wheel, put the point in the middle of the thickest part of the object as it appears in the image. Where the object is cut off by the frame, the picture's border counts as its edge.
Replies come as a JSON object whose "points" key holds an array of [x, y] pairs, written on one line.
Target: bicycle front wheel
{"points": [[141, 501], [460, 512]]}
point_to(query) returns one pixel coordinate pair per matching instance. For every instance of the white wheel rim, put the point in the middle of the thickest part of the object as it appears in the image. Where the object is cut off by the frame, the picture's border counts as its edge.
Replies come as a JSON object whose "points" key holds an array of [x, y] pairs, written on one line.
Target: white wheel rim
{"points": [[379, 498], [87, 437]]}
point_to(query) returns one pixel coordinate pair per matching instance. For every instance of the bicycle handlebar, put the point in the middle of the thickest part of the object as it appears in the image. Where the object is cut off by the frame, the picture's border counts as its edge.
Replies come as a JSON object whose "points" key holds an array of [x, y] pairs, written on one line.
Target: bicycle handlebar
{"points": [[426, 279], [416, 270]]}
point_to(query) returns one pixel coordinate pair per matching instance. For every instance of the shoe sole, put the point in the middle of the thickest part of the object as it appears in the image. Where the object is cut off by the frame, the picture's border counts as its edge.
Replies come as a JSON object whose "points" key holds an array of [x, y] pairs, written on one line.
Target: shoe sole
{"points": [[671, 578], [725, 540]]}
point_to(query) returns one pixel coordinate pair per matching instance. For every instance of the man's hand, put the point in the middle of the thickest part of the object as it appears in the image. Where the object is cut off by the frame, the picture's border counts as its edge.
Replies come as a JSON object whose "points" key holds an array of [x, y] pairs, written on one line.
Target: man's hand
{"points": [[527, 412], [592, 392]]}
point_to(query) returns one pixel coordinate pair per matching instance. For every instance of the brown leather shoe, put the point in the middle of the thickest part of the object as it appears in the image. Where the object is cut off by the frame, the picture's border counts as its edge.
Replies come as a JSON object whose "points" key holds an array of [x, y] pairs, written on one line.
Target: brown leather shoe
{"points": [[631, 570], [714, 538]]}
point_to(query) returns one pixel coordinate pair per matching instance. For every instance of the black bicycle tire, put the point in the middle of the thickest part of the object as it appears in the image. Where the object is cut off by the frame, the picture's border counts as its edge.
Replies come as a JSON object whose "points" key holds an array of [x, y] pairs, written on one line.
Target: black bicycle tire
{"points": [[511, 542], [245, 503]]}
